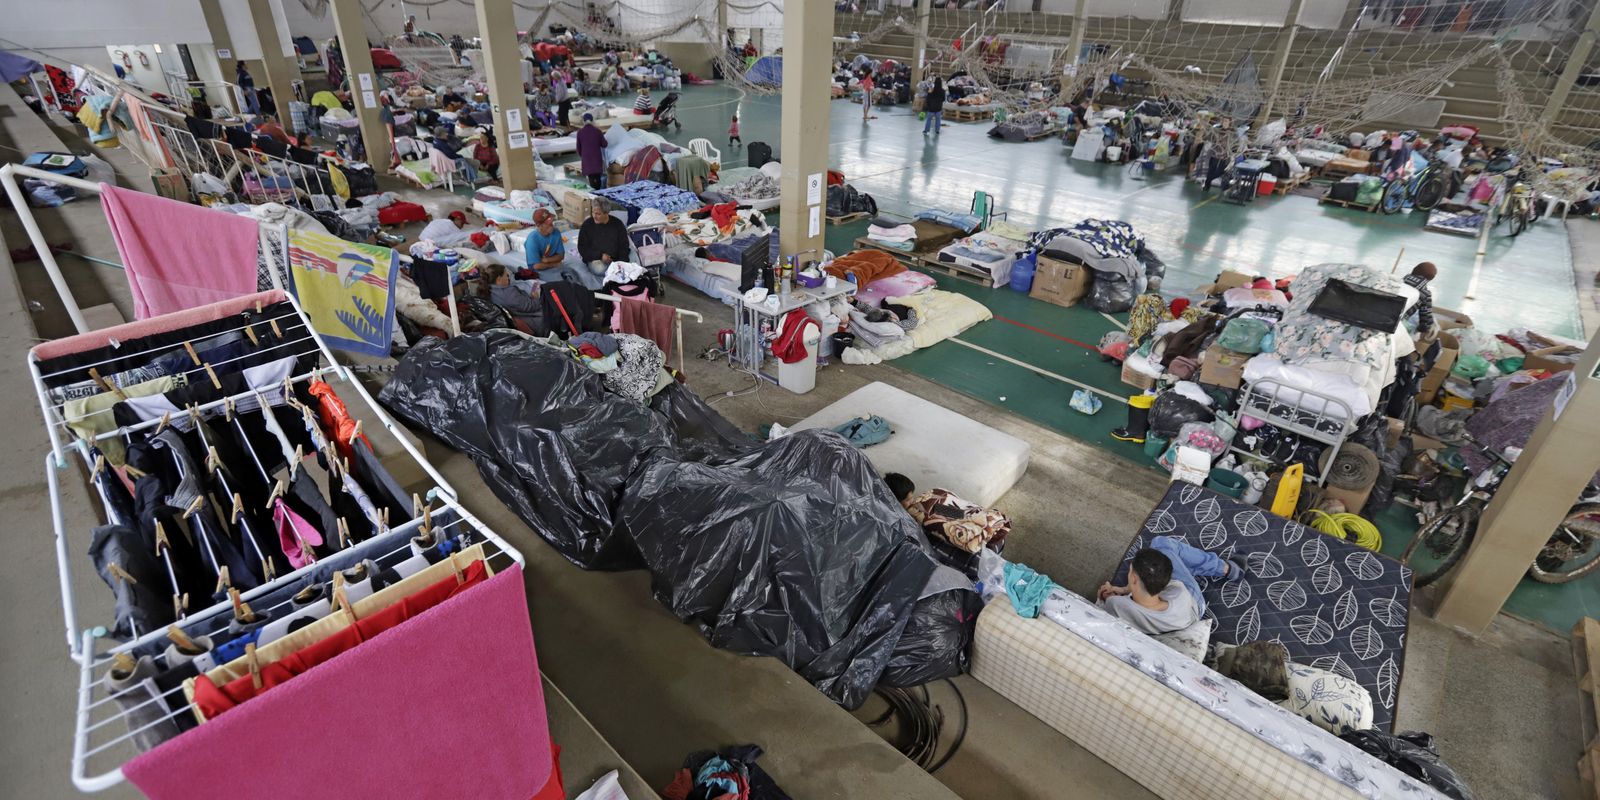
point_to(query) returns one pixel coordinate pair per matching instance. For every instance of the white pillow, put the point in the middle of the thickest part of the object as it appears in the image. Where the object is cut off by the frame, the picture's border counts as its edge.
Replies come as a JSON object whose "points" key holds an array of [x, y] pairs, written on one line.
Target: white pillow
{"points": [[1191, 641], [1328, 700]]}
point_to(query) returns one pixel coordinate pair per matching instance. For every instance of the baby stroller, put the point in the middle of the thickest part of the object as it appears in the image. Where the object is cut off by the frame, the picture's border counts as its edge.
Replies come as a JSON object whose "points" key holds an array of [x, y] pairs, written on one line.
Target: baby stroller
{"points": [[667, 112]]}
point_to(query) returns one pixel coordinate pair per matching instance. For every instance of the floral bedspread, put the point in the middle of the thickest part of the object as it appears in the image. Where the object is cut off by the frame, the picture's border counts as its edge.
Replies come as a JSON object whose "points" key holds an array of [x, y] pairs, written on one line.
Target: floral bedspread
{"points": [[1303, 337]]}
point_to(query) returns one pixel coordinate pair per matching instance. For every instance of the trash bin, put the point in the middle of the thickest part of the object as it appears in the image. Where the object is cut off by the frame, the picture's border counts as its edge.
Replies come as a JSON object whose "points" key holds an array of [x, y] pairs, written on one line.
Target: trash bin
{"points": [[801, 376], [838, 342], [1265, 184], [1227, 482]]}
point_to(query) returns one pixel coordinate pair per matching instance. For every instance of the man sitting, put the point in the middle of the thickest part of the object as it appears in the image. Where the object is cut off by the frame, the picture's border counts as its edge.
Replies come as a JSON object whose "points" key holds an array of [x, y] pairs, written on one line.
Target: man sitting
{"points": [[602, 240], [1162, 595]]}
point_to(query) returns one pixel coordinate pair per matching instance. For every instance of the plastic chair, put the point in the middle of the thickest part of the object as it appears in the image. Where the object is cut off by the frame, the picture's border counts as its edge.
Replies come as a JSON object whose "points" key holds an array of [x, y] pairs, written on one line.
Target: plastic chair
{"points": [[703, 149], [983, 207]]}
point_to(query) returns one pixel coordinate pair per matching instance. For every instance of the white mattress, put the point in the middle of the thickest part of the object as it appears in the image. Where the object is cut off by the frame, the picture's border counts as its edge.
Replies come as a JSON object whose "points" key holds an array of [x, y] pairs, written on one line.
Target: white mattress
{"points": [[555, 146], [926, 437]]}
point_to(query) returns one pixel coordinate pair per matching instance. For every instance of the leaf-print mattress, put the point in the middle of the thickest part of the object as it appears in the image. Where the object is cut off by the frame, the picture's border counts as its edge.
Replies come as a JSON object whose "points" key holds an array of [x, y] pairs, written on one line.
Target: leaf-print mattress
{"points": [[1331, 604]]}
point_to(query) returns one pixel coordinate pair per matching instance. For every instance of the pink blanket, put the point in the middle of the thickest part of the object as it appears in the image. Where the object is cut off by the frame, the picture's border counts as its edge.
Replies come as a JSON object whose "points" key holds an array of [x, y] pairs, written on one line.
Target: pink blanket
{"points": [[447, 704], [179, 255], [900, 284]]}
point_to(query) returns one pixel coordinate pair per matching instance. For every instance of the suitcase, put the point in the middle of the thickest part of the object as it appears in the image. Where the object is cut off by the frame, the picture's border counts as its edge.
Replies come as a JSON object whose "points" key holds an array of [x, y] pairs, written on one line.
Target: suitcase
{"points": [[758, 153], [401, 212]]}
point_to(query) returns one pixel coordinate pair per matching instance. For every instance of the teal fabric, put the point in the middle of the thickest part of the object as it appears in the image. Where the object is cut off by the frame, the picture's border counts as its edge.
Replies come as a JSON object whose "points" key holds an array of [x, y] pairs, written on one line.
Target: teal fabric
{"points": [[1027, 589], [866, 431]]}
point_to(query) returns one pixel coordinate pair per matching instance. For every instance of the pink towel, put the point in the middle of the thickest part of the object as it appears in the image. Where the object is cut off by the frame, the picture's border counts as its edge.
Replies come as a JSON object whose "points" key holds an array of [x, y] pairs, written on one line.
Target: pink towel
{"points": [[179, 255], [447, 704], [292, 530]]}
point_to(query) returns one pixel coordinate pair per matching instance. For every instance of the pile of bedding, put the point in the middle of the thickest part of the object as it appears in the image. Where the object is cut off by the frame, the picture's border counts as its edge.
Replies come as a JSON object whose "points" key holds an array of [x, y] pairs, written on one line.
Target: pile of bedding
{"points": [[1313, 353], [1123, 266], [641, 195], [986, 252], [899, 236], [916, 236], [685, 229], [516, 208]]}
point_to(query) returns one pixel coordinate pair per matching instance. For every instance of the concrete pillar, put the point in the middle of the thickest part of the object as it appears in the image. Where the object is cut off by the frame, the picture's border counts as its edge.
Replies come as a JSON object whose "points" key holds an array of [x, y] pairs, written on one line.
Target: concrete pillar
{"points": [[1575, 64], [758, 37], [1080, 22], [807, 65], [1554, 467], [722, 26], [222, 52], [281, 70], [352, 31], [1280, 60], [919, 44], [502, 59]]}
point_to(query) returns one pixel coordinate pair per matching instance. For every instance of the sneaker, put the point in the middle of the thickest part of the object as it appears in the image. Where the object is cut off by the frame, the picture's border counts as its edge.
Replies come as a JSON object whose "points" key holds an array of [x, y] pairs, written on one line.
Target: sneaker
{"points": [[1237, 569], [1125, 435]]}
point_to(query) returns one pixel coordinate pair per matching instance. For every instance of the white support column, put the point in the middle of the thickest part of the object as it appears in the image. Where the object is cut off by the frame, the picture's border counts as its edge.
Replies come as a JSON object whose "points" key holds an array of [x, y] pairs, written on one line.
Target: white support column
{"points": [[1080, 21], [502, 64], [281, 69], [349, 23], [807, 64], [1280, 60], [919, 44], [1575, 65]]}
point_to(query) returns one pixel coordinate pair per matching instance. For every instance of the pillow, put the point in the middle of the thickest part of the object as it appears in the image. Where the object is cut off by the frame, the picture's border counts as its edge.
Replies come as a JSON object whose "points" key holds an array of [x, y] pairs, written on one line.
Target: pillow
{"points": [[619, 145], [1328, 700], [1190, 641]]}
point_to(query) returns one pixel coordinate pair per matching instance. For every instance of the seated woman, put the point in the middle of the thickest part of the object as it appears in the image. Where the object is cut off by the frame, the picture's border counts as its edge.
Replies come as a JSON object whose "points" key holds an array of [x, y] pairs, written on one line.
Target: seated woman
{"points": [[488, 158], [447, 147], [520, 299]]}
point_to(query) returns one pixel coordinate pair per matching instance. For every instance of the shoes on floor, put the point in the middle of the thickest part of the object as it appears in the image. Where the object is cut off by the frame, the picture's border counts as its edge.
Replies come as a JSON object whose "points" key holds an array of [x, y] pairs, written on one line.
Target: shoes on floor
{"points": [[1125, 435]]}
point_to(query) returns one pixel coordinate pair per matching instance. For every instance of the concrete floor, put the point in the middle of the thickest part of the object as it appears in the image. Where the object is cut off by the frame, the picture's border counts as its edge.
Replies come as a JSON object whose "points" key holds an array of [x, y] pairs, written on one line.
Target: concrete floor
{"points": [[1501, 705]]}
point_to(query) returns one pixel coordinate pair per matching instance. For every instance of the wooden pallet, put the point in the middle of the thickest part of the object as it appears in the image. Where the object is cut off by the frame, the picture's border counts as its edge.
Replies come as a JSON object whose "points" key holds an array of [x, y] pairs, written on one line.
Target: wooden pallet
{"points": [[1585, 657], [958, 114], [1328, 201], [1287, 185], [957, 271], [927, 261], [1044, 134], [846, 219]]}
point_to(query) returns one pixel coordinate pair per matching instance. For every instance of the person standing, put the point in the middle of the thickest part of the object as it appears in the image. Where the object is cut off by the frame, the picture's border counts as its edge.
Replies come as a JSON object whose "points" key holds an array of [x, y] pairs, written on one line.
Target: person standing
{"points": [[592, 152], [933, 104], [247, 86], [386, 116], [733, 132], [867, 85]]}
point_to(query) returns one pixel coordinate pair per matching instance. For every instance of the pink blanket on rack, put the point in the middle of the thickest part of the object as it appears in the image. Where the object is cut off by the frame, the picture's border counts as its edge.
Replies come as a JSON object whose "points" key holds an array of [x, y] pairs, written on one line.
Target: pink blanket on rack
{"points": [[448, 704], [179, 255]]}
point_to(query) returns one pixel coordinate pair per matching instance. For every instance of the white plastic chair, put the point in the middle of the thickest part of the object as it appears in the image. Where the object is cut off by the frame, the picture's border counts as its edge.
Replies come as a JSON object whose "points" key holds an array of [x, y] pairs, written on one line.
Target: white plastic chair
{"points": [[702, 148]]}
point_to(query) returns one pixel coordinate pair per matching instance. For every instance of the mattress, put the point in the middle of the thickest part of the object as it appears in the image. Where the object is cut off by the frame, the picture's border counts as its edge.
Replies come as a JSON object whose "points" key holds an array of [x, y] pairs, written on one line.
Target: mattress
{"points": [[1330, 379], [984, 252], [941, 315], [1331, 604], [925, 433], [933, 235], [704, 276], [555, 146], [899, 284], [1315, 158], [418, 173], [498, 211]]}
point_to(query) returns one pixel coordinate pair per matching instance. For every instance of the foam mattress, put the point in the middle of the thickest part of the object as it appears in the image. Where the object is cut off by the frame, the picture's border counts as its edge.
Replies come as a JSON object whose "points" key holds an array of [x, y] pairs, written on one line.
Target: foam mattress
{"points": [[927, 438]]}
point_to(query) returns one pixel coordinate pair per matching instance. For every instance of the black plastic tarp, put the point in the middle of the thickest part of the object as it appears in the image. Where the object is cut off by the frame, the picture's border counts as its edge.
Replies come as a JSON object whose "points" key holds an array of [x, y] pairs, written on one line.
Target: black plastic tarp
{"points": [[792, 549]]}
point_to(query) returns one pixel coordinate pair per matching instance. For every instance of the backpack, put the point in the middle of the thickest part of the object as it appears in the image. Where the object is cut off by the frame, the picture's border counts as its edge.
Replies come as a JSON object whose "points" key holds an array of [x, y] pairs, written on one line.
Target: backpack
{"points": [[758, 153]]}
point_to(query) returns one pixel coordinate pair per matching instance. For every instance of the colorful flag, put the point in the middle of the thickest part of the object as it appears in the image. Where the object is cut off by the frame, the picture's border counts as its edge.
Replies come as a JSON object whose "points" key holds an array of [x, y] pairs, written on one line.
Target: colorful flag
{"points": [[347, 290]]}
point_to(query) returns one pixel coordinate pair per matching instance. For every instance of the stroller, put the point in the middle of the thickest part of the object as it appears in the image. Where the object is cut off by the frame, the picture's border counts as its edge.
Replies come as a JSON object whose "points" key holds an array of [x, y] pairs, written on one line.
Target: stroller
{"points": [[667, 112]]}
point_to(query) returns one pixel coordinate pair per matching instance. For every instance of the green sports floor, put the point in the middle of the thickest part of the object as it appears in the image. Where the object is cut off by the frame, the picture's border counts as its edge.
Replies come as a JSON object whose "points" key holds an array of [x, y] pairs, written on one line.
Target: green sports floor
{"points": [[1018, 360]]}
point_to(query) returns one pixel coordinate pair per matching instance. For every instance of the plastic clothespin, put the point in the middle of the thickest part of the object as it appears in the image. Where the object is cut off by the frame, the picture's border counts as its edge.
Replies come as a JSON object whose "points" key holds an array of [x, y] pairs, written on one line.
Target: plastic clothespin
{"points": [[189, 348], [255, 665], [212, 374]]}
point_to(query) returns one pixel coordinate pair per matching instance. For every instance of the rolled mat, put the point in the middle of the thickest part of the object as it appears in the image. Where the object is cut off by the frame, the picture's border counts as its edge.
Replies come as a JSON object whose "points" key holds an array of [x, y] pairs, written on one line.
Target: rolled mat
{"points": [[1355, 469]]}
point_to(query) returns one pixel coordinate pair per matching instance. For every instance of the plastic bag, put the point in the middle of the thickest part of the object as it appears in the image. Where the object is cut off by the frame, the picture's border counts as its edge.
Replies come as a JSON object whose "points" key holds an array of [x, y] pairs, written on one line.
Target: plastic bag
{"points": [[938, 637], [1201, 436], [1111, 294], [1172, 410], [1244, 335], [1413, 753], [1084, 401], [1471, 367]]}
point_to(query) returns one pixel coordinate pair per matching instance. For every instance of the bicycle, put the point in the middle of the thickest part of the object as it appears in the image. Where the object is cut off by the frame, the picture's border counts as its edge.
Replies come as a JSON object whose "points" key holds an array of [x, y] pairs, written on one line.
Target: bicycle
{"points": [[1426, 188], [1571, 552], [1518, 210]]}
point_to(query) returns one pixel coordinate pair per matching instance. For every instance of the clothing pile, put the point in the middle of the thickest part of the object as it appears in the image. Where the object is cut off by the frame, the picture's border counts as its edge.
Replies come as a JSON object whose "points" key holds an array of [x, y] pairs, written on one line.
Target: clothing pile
{"points": [[631, 366], [889, 233], [963, 525], [755, 187], [730, 775], [641, 195]]}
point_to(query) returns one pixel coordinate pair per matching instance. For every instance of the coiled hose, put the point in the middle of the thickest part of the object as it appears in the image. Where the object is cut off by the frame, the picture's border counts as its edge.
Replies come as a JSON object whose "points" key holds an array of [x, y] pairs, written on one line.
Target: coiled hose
{"points": [[1352, 528]]}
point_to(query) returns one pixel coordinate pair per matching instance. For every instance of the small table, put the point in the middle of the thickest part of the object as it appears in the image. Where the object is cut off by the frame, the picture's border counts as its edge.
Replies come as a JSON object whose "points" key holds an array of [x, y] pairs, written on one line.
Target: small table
{"points": [[749, 347]]}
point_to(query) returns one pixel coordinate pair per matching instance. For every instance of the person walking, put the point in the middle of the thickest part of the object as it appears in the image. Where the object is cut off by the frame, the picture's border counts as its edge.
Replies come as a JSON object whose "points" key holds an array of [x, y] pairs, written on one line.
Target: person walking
{"points": [[867, 85], [592, 152], [733, 133], [933, 105]]}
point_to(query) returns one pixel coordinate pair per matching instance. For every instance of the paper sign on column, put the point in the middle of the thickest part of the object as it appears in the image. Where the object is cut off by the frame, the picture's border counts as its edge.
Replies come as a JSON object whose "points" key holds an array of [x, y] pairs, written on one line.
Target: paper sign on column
{"points": [[517, 139], [814, 191], [369, 99], [513, 119], [816, 221], [224, 53], [366, 81]]}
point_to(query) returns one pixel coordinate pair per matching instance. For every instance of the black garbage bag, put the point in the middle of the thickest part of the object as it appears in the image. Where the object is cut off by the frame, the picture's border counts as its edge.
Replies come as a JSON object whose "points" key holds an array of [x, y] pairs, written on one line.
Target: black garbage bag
{"points": [[1110, 294], [793, 549], [1172, 410], [796, 550], [937, 638], [546, 436], [1155, 270], [1415, 754]]}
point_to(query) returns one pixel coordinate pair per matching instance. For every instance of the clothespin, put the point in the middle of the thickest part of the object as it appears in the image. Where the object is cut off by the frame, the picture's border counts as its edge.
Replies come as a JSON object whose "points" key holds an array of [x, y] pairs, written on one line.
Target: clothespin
{"points": [[121, 574], [106, 385], [224, 580], [258, 307], [162, 542], [212, 374], [194, 413], [133, 471], [241, 609], [267, 569], [238, 509], [339, 597], [165, 419], [255, 665], [427, 520], [416, 505], [355, 434], [180, 604], [227, 408], [306, 553], [182, 640], [344, 534], [299, 456], [277, 491], [124, 663], [192, 354], [461, 577], [250, 333], [288, 394], [99, 464], [276, 331], [385, 518], [194, 507], [213, 460]]}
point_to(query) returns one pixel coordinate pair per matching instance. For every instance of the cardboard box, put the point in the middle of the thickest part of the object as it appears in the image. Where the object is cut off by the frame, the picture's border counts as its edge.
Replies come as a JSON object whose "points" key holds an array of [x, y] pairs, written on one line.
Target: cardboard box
{"points": [[1229, 280], [1450, 348], [1446, 320], [1222, 368], [575, 206], [1061, 282], [1544, 358], [1353, 501], [1136, 379]]}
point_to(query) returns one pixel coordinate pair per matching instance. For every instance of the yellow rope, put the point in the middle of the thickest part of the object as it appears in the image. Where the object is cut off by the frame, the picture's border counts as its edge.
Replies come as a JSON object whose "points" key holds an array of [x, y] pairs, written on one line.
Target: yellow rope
{"points": [[1352, 528]]}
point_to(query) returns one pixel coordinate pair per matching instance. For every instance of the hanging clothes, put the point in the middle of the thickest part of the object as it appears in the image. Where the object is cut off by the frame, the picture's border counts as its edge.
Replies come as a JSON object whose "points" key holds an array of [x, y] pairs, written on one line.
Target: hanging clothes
{"points": [[178, 255], [293, 532]]}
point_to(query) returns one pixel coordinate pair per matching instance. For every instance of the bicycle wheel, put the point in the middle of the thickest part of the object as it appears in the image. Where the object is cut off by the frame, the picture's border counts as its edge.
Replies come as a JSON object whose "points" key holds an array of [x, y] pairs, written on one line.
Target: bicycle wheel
{"points": [[1441, 543], [1430, 190], [1574, 550], [1518, 221], [1394, 197]]}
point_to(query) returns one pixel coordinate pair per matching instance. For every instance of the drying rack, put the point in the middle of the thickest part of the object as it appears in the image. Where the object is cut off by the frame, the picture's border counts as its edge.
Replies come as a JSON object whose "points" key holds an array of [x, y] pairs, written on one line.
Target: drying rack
{"points": [[677, 321], [101, 742], [1311, 415]]}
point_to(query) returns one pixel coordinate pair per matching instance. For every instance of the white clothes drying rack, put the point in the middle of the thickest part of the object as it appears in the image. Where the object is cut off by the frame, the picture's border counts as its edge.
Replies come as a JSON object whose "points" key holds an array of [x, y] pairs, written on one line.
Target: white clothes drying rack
{"points": [[677, 321], [102, 741]]}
